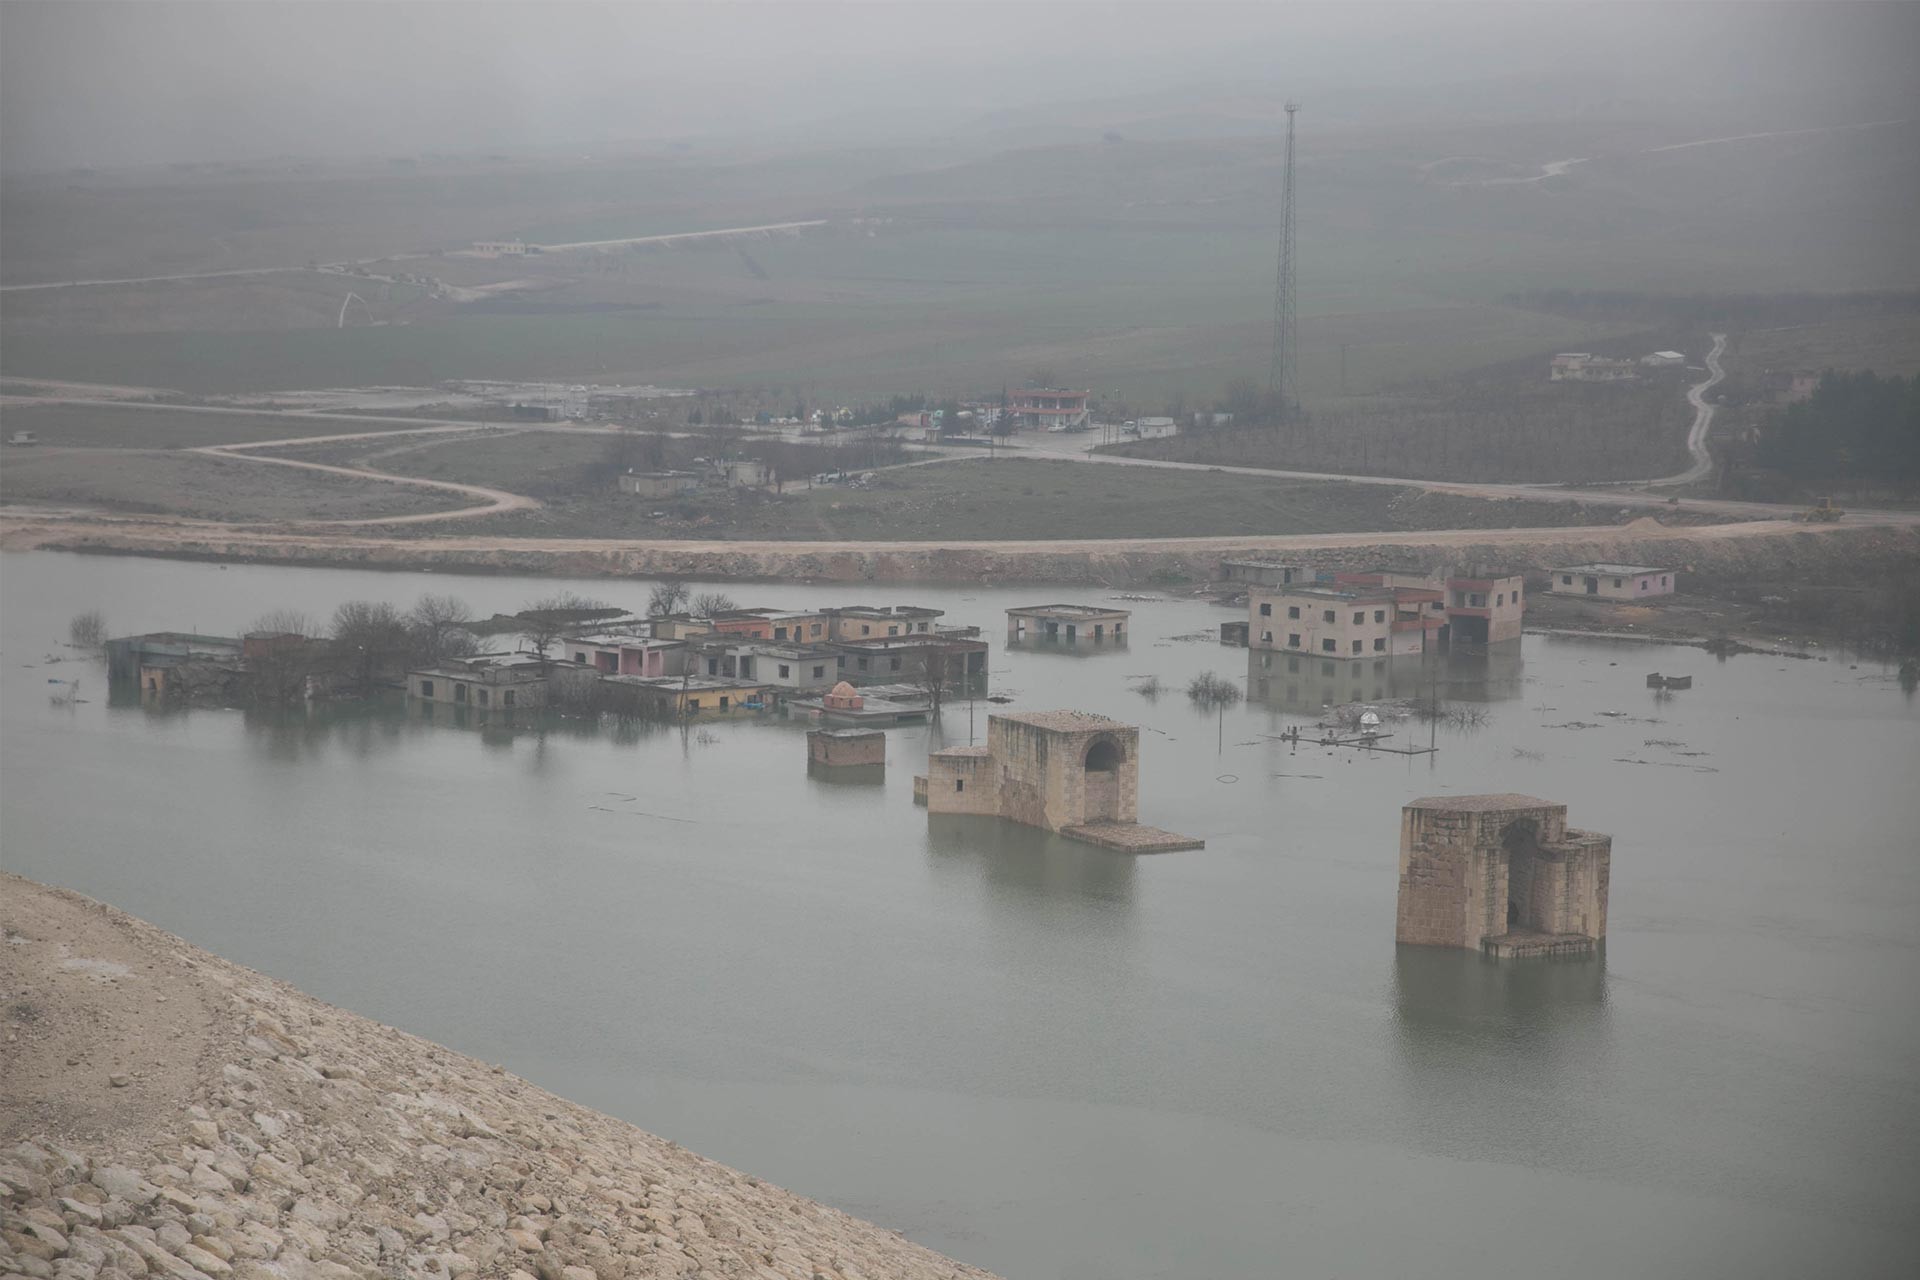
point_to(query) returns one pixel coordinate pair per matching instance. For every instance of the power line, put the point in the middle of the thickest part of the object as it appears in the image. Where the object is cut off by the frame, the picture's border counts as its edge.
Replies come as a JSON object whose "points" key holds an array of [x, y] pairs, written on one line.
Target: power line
{"points": [[1283, 375]]}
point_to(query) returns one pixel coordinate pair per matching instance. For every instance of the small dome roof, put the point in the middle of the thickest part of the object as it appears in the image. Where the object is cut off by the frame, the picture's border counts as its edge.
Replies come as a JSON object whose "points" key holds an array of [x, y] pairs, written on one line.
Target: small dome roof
{"points": [[843, 690]]}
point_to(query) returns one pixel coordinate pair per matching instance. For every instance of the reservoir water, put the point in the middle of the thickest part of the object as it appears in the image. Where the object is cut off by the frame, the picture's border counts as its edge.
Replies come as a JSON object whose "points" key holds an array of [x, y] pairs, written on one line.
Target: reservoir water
{"points": [[1053, 1060]]}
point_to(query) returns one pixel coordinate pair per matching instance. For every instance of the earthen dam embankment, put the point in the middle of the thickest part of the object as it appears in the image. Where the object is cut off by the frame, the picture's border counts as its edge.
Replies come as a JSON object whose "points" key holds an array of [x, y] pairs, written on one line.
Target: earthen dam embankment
{"points": [[173, 1115], [1746, 551]]}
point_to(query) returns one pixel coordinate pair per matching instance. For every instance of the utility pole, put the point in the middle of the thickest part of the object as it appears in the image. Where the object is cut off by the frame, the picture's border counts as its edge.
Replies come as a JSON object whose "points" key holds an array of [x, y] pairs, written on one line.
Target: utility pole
{"points": [[1283, 374]]}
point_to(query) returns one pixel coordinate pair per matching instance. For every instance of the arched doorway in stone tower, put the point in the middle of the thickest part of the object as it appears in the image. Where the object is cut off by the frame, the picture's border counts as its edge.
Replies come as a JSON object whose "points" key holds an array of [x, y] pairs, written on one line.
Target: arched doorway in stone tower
{"points": [[1102, 785], [1521, 840]]}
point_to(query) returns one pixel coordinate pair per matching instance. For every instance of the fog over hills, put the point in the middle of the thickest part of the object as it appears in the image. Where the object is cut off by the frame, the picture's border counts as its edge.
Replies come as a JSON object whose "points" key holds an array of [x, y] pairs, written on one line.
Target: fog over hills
{"points": [[141, 83]]}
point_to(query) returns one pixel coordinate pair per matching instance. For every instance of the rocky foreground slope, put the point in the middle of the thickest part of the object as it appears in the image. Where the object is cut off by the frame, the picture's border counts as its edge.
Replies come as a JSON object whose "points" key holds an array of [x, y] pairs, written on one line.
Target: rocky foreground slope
{"points": [[166, 1113]]}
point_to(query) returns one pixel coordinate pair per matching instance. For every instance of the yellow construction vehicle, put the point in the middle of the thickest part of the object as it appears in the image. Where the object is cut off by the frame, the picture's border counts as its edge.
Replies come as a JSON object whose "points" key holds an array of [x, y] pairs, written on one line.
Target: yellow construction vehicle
{"points": [[1821, 512]]}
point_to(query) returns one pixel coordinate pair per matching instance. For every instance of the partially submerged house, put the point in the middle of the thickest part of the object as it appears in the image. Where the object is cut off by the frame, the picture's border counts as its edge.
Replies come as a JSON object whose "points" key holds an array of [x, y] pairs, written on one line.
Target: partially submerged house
{"points": [[127, 654], [1384, 614], [623, 655], [1483, 611], [909, 658], [1042, 625], [492, 681], [680, 696], [863, 622], [1611, 581], [844, 704]]}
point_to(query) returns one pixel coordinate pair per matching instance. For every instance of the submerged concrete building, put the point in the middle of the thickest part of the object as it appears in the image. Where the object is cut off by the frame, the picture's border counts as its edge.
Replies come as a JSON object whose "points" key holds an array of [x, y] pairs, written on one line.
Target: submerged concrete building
{"points": [[1501, 874], [1070, 772], [1066, 626]]}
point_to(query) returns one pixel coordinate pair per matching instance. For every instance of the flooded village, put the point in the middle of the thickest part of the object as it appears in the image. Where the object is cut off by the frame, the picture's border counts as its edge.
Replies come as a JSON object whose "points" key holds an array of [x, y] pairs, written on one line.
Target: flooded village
{"points": [[920, 641]]}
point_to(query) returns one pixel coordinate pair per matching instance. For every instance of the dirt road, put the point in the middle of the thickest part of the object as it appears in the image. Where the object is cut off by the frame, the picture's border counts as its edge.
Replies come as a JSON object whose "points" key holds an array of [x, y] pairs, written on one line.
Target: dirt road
{"points": [[1702, 417], [493, 502]]}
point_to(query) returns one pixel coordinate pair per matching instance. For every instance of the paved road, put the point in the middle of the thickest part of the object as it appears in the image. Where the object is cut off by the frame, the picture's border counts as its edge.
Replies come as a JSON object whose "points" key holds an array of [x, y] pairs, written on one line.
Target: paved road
{"points": [[1071, 448]]}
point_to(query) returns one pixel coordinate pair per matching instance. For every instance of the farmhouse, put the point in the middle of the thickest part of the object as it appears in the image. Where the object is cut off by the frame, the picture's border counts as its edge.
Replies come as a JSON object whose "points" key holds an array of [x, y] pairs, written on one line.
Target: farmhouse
{"points": [[1584, 366], [1611, 581], [660, 484]]}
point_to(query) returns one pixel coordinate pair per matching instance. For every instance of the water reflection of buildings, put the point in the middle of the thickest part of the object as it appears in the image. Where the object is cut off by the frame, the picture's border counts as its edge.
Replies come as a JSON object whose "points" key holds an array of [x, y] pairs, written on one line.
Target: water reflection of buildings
{"points": [[1305, 685], [1495, 1054], [1027, 864]]}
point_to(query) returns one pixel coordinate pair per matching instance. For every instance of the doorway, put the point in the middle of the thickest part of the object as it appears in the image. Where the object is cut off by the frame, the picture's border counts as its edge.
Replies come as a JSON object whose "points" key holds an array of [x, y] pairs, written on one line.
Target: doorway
{"points": [[1102, 788], [1521, 840]]}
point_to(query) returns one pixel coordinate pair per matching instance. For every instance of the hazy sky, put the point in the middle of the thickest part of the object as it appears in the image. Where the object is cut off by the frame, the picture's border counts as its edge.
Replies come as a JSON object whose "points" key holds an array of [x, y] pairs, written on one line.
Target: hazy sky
{"points": [[91, 82]]}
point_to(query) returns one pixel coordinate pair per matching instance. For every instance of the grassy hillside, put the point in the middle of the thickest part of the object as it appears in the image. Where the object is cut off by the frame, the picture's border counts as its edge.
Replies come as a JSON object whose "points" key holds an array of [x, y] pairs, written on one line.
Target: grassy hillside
{"points": [[1140, 268]]}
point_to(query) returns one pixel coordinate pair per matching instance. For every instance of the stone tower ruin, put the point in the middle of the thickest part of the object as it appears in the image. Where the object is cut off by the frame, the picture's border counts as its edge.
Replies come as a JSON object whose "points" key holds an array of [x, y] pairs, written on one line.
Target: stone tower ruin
{"points": [[1501, 874]]}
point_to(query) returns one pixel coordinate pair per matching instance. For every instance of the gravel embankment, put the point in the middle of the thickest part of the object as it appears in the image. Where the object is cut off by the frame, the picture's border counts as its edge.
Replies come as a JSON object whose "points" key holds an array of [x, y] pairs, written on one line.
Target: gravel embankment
{"points": [[169, 1114]]}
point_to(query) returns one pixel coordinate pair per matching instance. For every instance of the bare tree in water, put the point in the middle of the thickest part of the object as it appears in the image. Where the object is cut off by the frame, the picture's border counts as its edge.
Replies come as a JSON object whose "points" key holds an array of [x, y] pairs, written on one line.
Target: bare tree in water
{"points": [[438, 626], [87, 630], [287, 653], [546, 620], [665, 598], [940, 666], [369, 639]]}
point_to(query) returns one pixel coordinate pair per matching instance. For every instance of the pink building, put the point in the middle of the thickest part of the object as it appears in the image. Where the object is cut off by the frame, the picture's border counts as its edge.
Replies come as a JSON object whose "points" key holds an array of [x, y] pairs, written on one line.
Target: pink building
{"points": [[629, 655], [1047, 409]]}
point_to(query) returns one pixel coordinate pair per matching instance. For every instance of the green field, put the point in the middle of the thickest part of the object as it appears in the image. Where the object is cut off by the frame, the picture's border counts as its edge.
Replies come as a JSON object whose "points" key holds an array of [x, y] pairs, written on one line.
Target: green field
{"points": [[135, 426], [1021, 499], [1143, 271], [132, 481]]}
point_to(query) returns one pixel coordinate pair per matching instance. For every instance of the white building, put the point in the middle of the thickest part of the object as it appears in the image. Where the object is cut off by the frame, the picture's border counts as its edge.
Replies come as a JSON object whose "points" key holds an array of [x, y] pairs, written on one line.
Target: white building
{"points": [[1611, 581]]}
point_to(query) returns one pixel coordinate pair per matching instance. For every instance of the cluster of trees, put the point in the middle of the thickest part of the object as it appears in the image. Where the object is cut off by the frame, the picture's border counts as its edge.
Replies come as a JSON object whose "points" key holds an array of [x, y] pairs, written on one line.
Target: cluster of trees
{"points": [[672, 596], [1857, 431], [367, 642], [871, 415]]}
